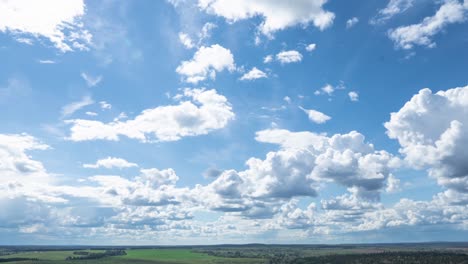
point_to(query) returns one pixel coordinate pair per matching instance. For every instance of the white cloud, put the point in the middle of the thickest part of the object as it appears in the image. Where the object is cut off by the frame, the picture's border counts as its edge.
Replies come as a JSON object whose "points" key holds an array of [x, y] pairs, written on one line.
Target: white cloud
{"points": [[432, 130], [91, 113], [58, 21], [253, 74], [17, 167], [327, 89], [393, 184], [71, 108], [413, 213], [276, 15], [111, 162], [186, 40], [346, 202], [159, 177], [290, 140], [91, 81], [406, 37], [316, 116], [46, 61], [204, 34], [393, 8], [353, 96], [105, 105], [351, 22], [255, 201], [201, 112], [27, 41], [289, 56], [206, 31], [121, 116], [153, 187], [304, 161], [311, 47], [205, 63], [268, 59]]}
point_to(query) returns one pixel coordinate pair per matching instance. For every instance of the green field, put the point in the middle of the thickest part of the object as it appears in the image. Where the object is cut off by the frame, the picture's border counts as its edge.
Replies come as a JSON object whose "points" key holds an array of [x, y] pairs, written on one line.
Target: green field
{"points": [[46, 255], [181, 256], [166, 255], [143, 256], [455, 253]]}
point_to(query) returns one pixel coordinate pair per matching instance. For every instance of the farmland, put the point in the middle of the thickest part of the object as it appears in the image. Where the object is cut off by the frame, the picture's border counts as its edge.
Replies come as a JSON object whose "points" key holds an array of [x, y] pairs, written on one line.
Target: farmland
{"points": [[249, 254]]}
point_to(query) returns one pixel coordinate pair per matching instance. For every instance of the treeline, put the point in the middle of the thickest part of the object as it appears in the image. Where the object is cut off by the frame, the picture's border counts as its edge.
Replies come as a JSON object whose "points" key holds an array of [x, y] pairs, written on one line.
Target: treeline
{"points": [[82, 255], [16, 259], [260, 252], [388, 258]]}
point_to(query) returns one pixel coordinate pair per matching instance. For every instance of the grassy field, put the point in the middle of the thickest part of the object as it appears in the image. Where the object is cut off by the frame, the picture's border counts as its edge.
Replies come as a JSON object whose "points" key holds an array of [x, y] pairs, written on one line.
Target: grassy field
{"points": [[46, 255], [180, 256], [142, 256], [166, 255], [246, 254]]}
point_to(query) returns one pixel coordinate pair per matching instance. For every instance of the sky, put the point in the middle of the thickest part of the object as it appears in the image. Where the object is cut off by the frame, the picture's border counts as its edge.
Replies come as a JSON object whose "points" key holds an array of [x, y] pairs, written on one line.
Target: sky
{"points": [[216, 121]]}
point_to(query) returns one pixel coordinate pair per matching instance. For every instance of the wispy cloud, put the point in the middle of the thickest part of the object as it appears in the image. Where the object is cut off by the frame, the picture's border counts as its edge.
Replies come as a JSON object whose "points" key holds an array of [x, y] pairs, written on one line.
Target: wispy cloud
{"points": [[71, 108], [90, 80], [46, 61], [316, 116]]}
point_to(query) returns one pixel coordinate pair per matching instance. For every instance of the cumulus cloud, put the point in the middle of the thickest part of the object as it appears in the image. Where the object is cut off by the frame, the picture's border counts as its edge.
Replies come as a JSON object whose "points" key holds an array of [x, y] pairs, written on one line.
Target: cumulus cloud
{"points": [[256, 192], [432, 131], [346, 202], [289, 56], [186, 40], [393, 8], [191, 42], [316, 116], [14, 159], [277, 15], [345, 158], [268, 59], [205, 63], [262, 197], [393, 184], [311, 47], [105, 105], [412, 213], [71, 108], [351, 22], [200, 112], [159, 177], [304, 161], [206, 31], [90, 80], [450, 12], [110, 162], [290, 140], [253, 74], [153, 187], [256, 200], [353, 96], [327, 89], [58, 21]]}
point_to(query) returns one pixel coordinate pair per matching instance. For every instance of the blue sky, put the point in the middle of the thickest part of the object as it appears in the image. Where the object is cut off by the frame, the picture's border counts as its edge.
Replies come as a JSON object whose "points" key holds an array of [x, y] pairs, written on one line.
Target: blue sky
{"points": [[216, 121]]}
